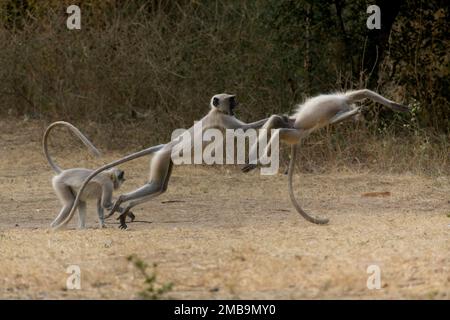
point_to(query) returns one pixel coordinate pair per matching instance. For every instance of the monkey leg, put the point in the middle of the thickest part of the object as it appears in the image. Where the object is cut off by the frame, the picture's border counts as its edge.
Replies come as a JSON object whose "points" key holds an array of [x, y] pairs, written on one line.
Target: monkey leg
{"points": [[62, 214], [66, 198], [131, 216], [82, 215], [160, 171], [344, 115], [122, 210], [152, 190], [144, 194], [157, 190], [274, 122], [289, 136], [100, 213]]}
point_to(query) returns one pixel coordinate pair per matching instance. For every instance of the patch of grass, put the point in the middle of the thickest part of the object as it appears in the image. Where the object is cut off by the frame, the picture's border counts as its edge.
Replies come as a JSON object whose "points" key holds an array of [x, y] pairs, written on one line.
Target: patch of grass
{"points": [[152, 290], [433, 294]]}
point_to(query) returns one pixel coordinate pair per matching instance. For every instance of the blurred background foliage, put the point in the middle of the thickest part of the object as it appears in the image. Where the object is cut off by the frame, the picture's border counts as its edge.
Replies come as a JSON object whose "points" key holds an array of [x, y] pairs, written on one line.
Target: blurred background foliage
{"points": [[139, 69]]}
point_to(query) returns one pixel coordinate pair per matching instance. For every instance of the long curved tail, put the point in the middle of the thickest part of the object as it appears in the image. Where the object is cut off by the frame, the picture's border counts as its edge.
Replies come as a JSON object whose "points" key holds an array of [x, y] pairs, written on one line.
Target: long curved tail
{"points": [[75, 130], [101, 169], [291, 191], [358, 95]]}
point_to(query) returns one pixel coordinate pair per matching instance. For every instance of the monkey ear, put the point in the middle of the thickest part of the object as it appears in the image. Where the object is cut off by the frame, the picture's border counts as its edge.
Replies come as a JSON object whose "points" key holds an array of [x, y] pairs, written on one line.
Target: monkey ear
{"points": [[215, 102]]}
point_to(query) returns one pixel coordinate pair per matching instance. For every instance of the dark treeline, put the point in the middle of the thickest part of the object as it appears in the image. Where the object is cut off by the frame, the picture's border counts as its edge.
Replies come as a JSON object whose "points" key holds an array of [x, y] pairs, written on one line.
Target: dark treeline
{"points": [[160, 61]]}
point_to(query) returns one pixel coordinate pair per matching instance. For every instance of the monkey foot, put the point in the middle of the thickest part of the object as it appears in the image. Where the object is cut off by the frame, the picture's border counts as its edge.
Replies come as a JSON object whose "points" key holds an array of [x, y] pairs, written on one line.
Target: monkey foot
{"points": [[123, 227], [121, 219], [248, 167], [131, 215]]}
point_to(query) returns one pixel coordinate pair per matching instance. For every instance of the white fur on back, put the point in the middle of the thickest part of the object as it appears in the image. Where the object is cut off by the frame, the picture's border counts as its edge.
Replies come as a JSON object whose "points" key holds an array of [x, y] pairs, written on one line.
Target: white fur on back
{"points": [[320, 100]]}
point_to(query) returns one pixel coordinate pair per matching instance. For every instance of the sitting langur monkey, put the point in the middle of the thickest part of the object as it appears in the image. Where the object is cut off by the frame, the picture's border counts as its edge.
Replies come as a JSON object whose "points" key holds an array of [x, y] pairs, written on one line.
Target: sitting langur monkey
{"points": [[314, 114], [67, 182], [221, 116]]}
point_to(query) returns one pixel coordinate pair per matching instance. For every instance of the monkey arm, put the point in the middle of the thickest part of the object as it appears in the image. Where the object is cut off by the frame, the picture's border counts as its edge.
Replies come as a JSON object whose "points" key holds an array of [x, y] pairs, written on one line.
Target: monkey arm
{"points": [[234, 123], [107, 203], [107, 200], [273, 122], [115, 207], [107, 191], [255, 125]]}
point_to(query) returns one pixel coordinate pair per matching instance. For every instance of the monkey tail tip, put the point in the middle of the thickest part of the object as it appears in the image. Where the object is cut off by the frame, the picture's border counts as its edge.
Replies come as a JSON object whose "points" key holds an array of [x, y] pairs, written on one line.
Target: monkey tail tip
{"points": [[320, 221], [305, 215], [310, 218]]}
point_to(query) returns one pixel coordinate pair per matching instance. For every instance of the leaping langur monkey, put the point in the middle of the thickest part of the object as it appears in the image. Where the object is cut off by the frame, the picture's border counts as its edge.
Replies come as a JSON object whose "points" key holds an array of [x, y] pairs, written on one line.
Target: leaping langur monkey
{"points": [[67, 182], [314, 114], [221, 116]]}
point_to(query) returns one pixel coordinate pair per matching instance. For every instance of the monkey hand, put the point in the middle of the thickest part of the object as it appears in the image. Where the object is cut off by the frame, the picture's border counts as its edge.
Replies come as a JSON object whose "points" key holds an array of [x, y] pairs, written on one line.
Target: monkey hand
{"points": [[115, 208], [285, 118]]}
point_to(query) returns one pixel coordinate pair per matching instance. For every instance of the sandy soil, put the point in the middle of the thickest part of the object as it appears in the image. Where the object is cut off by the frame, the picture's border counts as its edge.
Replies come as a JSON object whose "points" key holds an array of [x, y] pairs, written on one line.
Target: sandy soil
{"points": [[218, 233]]}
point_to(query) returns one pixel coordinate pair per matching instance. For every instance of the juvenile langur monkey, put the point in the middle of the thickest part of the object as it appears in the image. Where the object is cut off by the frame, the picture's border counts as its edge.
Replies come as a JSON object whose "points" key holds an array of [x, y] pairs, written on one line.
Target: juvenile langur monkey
{"points": [[221, 116], [314, 114], [67, 182]]}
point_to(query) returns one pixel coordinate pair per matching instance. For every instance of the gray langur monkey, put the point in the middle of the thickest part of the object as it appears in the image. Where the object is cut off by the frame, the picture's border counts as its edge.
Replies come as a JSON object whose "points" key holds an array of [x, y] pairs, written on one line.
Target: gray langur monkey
{"points": [[221, 116], [313, 114], [67, 182]]}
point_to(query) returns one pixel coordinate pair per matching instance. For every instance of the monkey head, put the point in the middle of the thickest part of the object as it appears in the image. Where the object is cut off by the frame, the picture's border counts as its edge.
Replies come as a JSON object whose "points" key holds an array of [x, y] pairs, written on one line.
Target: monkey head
{"points": [[224, 103], [117, 177]]}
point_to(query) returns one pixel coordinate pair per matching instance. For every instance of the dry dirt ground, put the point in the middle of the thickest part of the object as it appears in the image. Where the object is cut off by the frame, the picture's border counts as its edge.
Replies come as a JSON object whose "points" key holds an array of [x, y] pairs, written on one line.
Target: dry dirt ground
{"points": [[218, 233]]}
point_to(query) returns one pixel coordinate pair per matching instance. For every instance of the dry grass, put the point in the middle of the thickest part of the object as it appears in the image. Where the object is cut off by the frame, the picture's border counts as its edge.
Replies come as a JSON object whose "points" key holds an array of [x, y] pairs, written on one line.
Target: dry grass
{"points": [[164, 59], [229, 235]]}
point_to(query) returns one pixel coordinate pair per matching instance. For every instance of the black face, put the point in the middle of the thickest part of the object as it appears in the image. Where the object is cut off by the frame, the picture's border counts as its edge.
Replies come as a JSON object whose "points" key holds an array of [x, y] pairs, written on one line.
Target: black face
{"points": [[233, 104], [121, 176]]}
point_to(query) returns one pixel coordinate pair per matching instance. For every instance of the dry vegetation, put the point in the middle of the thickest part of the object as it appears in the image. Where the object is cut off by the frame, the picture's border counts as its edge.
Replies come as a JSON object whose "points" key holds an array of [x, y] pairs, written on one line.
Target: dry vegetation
{"points": [[139, 69], [218, 233]]}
